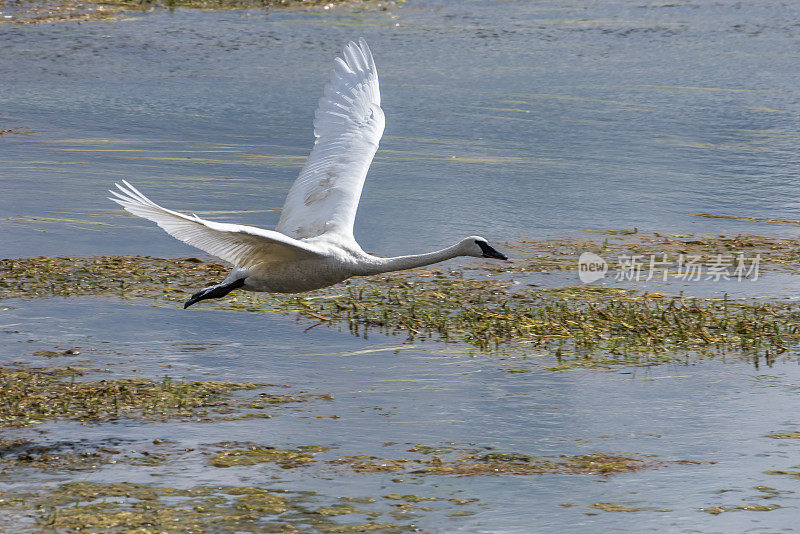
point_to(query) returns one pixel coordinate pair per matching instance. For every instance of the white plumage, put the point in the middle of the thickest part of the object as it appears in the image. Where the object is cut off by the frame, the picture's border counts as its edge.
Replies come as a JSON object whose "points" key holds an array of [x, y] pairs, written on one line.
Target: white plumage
{"points": [[313, 245], [348, 125]]}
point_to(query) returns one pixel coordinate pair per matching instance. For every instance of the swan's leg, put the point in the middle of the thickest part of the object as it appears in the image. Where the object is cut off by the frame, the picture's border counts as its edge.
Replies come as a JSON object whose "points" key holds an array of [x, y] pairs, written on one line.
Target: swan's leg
{"points": [[214, 292]]}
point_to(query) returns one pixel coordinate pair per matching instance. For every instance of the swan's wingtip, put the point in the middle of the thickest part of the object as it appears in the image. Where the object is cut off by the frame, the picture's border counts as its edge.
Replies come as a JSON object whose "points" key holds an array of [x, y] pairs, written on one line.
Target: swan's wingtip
{"points": [[358, 46], [128, 187], [123, 186]]}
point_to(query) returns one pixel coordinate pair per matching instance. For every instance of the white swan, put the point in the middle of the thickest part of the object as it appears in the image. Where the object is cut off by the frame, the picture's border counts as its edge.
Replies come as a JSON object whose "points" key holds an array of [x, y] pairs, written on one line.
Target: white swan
{"points": [[313, 245]]}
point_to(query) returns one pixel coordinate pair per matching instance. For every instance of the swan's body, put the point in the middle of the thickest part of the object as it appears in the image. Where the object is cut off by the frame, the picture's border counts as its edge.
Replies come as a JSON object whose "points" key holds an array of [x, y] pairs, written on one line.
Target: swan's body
{"points": [[313, 245]]}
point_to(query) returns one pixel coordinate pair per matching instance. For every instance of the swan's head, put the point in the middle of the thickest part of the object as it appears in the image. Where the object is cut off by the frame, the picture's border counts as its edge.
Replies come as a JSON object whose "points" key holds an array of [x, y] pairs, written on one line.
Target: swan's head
{"points": [[480, 248]]}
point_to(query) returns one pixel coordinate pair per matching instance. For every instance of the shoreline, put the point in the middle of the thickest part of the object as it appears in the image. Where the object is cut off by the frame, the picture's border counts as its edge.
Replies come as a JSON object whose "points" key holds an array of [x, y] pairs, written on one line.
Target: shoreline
{"points": [[56, 11]]}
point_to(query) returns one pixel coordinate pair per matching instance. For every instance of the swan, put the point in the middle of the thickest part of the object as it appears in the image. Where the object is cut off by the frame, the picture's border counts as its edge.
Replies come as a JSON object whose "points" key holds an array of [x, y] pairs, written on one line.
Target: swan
{"points": [[313, 245]]}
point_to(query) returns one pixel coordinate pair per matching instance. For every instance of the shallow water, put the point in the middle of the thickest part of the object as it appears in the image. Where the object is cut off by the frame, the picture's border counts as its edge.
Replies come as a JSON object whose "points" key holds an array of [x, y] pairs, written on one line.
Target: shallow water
{"points": [[505, 119], [715, 413]]}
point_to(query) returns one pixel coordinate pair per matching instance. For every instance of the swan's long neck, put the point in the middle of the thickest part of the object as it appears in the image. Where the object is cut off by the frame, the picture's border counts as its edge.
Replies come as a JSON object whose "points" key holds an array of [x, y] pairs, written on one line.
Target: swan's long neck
{"points": [[399, 263]]}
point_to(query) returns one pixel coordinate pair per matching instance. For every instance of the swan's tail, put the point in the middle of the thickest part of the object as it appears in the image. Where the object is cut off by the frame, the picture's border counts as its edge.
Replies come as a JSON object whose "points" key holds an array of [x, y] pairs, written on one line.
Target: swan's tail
{"points": [[135, 203]]}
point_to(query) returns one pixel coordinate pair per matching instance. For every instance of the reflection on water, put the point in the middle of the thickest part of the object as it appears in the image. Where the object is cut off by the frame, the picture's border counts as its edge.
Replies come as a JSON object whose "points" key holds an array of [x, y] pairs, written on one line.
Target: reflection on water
{"points": [[506, 119]]}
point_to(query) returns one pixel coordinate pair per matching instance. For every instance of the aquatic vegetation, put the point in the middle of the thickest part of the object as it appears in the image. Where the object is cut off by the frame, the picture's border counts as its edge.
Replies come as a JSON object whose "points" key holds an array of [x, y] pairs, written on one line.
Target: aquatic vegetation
{"points": [[766, 492], [784, 435], [467, 462], [616, 507], [149, 509], [84, 506], [627, 326], [769, 493], [226, 4], [755, 219], [23, 455], [716, 510], [36, 12], [56, 353], [16, 131], [109, 275], [409, 498], [339, 510], [30, 395], [604, 464], [561, 254], [48, 11], [584, 327], [251, 454], [53, 458]]}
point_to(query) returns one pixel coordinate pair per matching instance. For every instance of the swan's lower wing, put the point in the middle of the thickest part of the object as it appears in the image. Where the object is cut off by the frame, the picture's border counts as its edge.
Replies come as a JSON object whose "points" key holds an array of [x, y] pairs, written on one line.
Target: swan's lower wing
{"points": [[243, 246], [348, 126]]}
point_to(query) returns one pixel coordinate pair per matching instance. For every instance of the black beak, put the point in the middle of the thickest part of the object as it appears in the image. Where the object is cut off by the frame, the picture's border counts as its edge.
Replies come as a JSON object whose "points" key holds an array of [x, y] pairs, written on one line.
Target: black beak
{"points": [[489, 252]]}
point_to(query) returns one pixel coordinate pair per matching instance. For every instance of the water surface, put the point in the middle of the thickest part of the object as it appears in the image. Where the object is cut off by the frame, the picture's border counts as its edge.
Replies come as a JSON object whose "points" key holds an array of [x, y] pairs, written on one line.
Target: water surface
{"points": [[508, 119], [505, 119]]}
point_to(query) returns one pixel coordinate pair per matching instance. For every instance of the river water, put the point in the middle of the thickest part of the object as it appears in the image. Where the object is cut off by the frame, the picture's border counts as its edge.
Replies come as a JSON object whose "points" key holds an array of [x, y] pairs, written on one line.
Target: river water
{"points": [[505, 119]]}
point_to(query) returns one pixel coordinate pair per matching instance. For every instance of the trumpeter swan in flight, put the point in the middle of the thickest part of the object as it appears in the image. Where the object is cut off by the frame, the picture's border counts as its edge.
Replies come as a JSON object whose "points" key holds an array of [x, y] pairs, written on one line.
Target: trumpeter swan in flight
{"points": [[313, 245]]}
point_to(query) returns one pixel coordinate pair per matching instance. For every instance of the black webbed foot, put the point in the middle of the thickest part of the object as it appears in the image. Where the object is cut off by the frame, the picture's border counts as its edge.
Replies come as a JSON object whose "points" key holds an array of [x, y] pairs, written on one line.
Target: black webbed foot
{"points": [[214, 292]]}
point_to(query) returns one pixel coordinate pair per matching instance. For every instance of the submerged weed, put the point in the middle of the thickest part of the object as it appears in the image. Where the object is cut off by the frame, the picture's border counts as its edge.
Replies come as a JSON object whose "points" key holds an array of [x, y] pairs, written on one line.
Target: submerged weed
{"points": [[459, 462], [716, 510], [49, 11], [33, 395], [252, 454], [584, 327], [785, 435], [616, 507], [148, 509]]}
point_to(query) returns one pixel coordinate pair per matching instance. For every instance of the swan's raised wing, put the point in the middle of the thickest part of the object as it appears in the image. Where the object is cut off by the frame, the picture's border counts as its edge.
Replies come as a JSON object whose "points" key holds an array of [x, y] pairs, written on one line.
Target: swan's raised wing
{"points": [[243, 246], [348, 125]]}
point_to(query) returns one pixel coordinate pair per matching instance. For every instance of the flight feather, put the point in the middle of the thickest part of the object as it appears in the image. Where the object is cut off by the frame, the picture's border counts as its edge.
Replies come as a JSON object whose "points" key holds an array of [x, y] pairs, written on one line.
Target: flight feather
{"points": [[348, 125], [243, 246]]}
